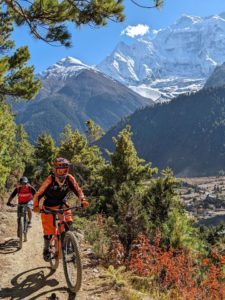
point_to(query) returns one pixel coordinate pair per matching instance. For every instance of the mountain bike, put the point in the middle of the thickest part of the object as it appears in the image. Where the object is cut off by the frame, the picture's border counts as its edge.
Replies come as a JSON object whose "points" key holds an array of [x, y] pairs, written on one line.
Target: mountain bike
{"points": [[22, 223], [63, 244]]}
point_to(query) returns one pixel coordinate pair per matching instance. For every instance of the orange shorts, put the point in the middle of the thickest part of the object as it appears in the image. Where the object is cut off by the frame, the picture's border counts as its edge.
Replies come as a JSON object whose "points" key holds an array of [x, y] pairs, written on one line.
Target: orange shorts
{"points": [[48, 221]]}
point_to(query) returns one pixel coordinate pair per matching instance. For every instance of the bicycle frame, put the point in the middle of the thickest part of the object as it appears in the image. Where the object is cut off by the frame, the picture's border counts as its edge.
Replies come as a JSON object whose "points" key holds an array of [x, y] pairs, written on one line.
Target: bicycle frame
{"points": [[60, 221], [22, 222], [63, 244], [57, 237], [22, 213]]}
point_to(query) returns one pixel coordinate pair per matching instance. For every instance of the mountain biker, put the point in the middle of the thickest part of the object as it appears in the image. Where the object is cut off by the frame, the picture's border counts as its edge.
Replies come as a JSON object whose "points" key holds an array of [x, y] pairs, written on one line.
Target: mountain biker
{"points": [[54, 190], [25, 193]]}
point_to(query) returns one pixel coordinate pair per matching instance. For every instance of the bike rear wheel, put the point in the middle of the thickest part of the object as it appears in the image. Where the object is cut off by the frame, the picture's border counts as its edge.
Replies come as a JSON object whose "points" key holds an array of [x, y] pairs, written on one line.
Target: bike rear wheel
{"points": [[54, 252], [72, 262]]}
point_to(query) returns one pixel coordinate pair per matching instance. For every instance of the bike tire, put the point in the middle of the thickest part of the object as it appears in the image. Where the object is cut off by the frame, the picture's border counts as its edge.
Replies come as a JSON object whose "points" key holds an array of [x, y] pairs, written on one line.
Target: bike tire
{"points": [[25, 227], [25, 236], [20, 233], [75, 260], [54, 250]]}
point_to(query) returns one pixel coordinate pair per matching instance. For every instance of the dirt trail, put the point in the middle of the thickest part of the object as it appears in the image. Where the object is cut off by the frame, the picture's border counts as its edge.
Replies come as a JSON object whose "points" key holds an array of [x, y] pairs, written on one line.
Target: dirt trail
{"points": [[25, 275]]}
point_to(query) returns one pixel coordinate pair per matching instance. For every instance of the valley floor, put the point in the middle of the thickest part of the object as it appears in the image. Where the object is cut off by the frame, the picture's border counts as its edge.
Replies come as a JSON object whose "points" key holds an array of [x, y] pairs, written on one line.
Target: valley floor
{"points": [[204, 197]]}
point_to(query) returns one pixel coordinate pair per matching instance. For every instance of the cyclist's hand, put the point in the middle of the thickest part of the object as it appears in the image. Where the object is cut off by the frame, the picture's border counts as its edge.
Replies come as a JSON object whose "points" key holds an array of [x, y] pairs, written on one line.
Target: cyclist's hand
{"points": [[36, 209], [84, 204], [10, 204]]}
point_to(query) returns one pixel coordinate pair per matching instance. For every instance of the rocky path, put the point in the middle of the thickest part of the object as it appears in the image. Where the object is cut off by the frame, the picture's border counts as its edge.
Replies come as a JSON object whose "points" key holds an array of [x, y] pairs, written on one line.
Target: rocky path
{"points": [[25, 275]]}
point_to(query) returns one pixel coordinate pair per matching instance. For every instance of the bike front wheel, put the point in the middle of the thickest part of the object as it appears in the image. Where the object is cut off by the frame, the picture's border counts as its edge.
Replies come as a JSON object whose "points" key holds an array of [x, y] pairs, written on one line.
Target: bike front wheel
{"points": [[72, 262], [54, 252], [25, 228], [20, 232]]}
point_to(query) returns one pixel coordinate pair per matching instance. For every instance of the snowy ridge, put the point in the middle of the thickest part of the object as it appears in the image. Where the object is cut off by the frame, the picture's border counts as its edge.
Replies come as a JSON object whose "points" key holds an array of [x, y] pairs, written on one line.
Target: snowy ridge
{"points": [[172, 60], [66, 67]]}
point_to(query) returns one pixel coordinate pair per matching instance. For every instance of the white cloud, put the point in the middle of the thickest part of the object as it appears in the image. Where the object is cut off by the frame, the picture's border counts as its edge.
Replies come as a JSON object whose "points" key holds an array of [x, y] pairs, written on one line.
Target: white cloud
{"points": [[133, 31]]}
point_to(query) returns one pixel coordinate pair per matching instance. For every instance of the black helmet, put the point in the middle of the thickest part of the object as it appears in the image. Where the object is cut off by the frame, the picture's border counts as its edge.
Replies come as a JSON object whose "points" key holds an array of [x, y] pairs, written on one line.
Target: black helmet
{"points": [[23, 180]]}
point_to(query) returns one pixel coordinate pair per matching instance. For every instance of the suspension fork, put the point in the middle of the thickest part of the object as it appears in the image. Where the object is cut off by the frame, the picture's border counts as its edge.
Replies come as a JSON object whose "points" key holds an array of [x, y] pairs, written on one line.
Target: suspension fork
{"points": [[58, 237]]}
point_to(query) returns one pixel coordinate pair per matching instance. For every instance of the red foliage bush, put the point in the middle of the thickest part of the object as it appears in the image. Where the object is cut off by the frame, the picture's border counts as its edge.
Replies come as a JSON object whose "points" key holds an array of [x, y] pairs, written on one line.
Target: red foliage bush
{"points": [[117, 253], [175, 270]]}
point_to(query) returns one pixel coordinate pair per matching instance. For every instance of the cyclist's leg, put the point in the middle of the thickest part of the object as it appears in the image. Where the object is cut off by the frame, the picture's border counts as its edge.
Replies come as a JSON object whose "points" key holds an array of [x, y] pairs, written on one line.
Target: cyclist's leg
{"points": [[29, 210], [46, 252], [69, 220], [49, 229]]}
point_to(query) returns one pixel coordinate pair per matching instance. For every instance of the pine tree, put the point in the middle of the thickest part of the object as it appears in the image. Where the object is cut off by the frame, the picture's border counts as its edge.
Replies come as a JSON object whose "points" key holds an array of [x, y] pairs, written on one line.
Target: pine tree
{"points": [[94, 131], [86, 160], [47, 20], [22, 152], [16, 78], [122, 189], [162, 197], [125, 164], [45, 153], [166, 213], [7, 142], [71, 143]]}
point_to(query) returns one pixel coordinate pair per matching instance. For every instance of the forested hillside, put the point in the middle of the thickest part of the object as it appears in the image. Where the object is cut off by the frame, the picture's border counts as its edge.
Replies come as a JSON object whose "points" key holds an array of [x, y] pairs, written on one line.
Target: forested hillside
{"points": [[187, 134]]}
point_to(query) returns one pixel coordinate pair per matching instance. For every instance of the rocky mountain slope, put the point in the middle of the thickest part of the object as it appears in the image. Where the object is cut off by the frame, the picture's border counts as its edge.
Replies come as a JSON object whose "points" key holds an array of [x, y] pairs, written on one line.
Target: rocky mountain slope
{"points": [[172, 60], [73, 93], [217, 78]]}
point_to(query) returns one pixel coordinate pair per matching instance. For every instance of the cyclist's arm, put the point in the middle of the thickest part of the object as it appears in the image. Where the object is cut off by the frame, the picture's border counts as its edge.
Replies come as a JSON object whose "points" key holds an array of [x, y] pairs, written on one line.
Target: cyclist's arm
{"points": [[33, 191], [75, 188], [40, 193], [14, 193]]}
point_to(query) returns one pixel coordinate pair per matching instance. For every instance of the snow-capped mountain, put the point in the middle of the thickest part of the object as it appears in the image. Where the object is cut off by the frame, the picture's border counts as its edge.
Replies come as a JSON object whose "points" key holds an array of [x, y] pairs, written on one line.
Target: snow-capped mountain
{"points": [[171, 61], [55, 76], [72, 93], [66, 67]]}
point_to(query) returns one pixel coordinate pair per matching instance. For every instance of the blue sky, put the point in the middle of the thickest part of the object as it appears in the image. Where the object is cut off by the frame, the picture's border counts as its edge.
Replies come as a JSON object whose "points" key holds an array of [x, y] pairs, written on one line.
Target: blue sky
{"points": [[92, 45]]}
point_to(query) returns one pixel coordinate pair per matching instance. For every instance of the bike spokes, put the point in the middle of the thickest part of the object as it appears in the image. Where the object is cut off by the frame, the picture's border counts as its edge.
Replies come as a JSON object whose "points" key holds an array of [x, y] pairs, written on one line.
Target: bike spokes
{"points": [[54, 252]]}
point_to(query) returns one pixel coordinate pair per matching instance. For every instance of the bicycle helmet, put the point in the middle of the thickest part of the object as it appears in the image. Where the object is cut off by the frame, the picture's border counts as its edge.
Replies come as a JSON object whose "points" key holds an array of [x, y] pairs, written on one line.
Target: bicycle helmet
{"points": [[23, 180], [61, 167]]}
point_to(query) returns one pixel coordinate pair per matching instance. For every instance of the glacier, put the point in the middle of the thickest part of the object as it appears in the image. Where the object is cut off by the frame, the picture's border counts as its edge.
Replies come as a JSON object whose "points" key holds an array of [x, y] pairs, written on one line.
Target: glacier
{"points": [[170, 61]]}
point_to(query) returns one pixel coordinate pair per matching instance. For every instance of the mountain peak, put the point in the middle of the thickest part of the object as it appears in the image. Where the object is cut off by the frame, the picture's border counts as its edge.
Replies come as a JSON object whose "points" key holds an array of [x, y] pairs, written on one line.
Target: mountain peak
{"points": [[67, 66], [187, 20], [70, 61]]}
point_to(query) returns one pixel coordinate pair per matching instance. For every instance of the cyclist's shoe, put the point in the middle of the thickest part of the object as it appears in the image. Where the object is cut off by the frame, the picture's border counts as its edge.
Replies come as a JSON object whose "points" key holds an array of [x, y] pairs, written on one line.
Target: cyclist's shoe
{"points": [[29, 225], [46, 255], [10, 204]]}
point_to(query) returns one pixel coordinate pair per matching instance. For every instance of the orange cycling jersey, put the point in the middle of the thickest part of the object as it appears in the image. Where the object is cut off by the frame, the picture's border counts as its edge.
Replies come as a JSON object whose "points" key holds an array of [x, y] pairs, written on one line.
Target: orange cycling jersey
{"points": [[55, 192]]}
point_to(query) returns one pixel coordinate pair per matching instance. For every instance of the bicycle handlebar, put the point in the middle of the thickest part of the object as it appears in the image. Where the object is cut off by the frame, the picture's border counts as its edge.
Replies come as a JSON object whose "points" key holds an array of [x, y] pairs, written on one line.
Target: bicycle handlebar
{"points": [[61, 210]]}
